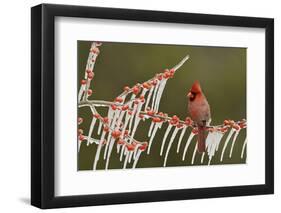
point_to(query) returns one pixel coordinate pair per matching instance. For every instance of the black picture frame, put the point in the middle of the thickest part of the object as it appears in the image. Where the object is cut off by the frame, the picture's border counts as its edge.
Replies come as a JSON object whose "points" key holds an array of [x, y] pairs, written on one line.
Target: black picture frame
{"points": [[43, 102]]}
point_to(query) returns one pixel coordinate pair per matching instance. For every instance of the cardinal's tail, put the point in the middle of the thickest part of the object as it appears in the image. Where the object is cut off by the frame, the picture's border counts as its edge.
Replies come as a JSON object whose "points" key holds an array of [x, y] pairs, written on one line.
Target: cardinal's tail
{"points": [[201, 139]]}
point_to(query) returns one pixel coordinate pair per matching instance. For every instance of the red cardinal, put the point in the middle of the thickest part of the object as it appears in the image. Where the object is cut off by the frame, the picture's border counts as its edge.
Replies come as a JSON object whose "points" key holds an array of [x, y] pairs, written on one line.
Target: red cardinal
{"points": [[199, 111]]}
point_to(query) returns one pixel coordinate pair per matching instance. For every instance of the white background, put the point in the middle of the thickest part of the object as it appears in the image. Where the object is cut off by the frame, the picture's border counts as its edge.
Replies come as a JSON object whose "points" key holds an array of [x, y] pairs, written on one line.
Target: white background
{"points": [[69, 30], [15, 106]]}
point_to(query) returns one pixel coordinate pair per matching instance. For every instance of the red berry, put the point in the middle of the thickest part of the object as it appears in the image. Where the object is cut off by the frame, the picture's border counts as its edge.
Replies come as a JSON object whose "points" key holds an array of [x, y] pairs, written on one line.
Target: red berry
{"points": [[114, 107], [121, 142], [172, 72], [116, 133], [105, 119], [81, 137], [154, 82], [106, 128], [125, 107], [136, 90], [130, 147], [159, 77], [194, 131], [146, 85], [156, 119], [188, 121], [90, 92], [119, 99], [151, 112], [83, 82], [80, 120], [91, 75], [96, 115], [143, 146]]}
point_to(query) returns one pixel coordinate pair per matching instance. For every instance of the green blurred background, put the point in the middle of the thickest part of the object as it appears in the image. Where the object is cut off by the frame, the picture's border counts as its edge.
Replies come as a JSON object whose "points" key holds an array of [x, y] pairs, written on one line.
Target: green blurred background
{"points": [[220, 70]]}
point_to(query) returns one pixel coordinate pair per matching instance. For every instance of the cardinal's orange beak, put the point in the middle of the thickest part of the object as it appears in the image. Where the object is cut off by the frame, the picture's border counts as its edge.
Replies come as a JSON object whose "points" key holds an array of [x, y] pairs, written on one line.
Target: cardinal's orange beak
{"points": [[189, 95]]}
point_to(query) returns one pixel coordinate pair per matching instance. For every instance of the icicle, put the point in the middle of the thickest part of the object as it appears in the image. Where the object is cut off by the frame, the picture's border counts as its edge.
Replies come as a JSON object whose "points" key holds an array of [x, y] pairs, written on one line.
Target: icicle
{"points": [[233, 142], [165, 137], [99, 150], [202, 157], [156, 127], [110, 115], [150, 128], [127, 118], [79, 144], [209, 162], [141, 103], [137, 159], [148, 97], [100, 126], [137, 118], [170, 144], [226, 142], [122, 152], [82, 88], [113, 122], [187, 145], [194, 154], [127, 153], [130, 156], [91, 130], [136, 150], [155, 95], [160, 92], [243, 148], [212, 142], [132, 117], [120, 114], [118, 148], [120, 119], [180, 139], [109, 152]]}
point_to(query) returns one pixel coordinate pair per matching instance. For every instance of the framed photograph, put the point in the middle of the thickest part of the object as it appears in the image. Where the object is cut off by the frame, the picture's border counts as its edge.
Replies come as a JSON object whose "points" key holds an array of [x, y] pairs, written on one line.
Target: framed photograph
{"points": [[139, 106]]}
